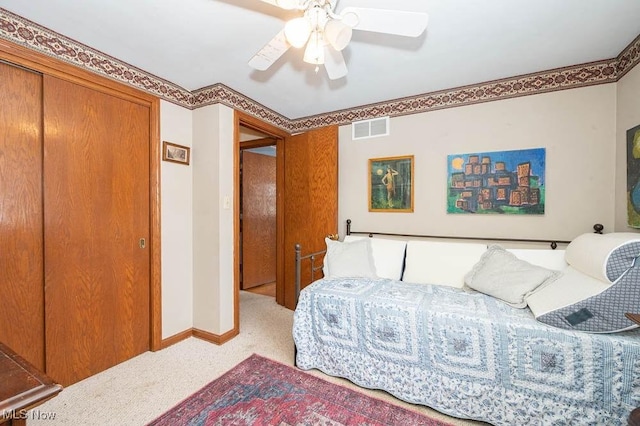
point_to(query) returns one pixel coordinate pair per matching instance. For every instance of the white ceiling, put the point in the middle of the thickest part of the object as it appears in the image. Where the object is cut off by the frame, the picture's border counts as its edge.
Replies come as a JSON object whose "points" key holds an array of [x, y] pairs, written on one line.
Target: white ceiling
{"points": [[198, 43]]}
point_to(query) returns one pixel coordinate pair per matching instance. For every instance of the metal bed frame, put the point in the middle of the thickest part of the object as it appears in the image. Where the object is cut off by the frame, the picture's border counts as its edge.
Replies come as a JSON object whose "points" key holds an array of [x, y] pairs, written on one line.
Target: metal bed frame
{"points": [[597, 229]]}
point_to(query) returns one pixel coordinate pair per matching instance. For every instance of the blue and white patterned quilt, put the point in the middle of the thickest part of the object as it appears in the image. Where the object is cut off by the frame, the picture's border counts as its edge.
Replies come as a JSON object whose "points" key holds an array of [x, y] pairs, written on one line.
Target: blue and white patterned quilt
{"points": [[465, 354]]}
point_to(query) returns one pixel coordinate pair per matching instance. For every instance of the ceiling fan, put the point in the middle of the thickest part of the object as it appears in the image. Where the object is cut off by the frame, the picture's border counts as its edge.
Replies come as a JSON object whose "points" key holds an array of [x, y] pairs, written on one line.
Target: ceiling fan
{"points": [[326, 33]]}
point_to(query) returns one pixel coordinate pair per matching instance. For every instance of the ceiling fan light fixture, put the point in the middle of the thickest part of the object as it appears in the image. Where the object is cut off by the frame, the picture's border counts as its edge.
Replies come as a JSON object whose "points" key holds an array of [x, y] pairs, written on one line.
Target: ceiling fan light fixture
{"points": [[314, 53], [351, 19], [297, 31], [338, 34], [326, 32]]}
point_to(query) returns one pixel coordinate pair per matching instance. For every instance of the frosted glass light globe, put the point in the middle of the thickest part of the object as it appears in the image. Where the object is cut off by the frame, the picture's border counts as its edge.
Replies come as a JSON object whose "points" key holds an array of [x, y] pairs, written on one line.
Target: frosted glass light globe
{"points": [[338, 34], [297, 31]]}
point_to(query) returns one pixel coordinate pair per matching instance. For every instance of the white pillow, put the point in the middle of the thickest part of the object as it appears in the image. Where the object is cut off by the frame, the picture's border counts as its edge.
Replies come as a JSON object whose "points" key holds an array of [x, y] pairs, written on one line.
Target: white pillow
{"points": [[388, 255], [351, 259], [550, 259], [502, 275], [435, 262], [571, 288]]}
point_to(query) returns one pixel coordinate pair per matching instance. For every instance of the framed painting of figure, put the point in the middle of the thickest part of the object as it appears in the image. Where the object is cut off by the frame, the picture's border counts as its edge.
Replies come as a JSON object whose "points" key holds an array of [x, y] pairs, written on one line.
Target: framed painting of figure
{"points": [[391, 184]]}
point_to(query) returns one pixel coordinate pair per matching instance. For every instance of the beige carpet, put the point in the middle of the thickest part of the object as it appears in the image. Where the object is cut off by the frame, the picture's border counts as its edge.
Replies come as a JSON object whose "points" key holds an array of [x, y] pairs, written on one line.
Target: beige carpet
{"points": [[139, 390]]}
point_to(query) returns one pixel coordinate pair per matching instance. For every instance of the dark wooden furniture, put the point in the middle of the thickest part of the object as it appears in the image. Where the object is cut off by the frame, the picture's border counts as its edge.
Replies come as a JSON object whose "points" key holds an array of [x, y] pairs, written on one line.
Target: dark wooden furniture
{"points": [[633, 317], [634, 417], [22, 387]]}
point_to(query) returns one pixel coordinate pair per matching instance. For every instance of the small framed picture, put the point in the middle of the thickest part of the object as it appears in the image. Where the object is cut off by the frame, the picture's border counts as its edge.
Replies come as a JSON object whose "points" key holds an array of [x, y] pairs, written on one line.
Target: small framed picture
{"points": [[176, 153], [391, 184]]}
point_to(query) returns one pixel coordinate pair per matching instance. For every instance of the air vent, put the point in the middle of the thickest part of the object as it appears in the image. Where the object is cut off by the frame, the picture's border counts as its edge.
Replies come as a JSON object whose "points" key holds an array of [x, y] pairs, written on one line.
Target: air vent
{"points": [[370, 128]]}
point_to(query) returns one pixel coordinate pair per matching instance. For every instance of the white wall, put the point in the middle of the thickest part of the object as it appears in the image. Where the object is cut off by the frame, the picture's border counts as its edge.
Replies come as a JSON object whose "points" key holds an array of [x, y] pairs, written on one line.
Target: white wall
{"points": [[212, 162], [176, 222], [628, 116], [577, 127], [580, 128]]}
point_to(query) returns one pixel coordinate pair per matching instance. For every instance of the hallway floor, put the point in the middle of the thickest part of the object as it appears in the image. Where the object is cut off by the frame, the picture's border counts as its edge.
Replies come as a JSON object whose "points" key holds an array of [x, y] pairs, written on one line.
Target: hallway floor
{"points": [[268, 289]]}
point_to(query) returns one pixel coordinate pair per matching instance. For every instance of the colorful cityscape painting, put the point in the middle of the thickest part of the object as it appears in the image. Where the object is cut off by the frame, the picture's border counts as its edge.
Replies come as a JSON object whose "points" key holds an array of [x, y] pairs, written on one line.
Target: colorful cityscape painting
{"points": [[500, 182]]}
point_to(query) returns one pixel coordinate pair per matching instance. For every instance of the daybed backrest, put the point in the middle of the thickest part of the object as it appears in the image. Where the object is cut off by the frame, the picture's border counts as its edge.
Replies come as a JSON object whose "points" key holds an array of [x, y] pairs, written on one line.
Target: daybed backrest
{"points": [[550, 259], [507, 276], [388, 255], [441, 263]]}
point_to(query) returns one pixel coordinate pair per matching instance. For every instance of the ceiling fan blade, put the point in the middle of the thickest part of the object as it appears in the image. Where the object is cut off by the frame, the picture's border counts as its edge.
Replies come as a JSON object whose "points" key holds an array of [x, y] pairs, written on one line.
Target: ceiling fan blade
{"points": [[334, 63], [270, 52], [409, 24], [283, 4]]}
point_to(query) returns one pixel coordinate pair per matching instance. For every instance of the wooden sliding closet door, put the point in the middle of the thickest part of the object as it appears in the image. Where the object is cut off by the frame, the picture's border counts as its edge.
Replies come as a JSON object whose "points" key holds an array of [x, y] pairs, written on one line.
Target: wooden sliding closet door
{"points": [[96, 209], [21, 264]]}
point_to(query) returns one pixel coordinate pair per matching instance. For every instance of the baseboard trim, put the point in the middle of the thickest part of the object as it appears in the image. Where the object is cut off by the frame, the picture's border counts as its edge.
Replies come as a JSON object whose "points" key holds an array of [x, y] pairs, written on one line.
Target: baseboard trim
{"points": [[215, 338], [172, 340], [200, 334]]}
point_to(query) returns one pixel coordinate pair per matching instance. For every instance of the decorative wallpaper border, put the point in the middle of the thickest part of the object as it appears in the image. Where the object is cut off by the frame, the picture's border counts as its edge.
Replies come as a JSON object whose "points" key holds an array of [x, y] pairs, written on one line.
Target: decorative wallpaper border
{"points": [[36, 37], [628, 58], [219, 93], [530, 84]]}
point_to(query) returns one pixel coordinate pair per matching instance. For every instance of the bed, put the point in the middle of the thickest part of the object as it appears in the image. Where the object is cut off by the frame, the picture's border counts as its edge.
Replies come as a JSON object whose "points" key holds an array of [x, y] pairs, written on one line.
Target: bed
{"points": [[463, 352]]}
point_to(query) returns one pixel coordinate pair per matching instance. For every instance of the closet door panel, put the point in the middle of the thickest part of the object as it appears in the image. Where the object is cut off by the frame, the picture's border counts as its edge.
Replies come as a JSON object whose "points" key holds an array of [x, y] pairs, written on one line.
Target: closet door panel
{"points": [[96, 204], [21, 263]]}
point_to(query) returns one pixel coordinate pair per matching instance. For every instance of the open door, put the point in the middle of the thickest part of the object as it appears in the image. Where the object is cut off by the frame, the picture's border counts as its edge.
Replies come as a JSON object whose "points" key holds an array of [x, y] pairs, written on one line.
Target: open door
{"points": [[310, 199], [258, 218]]}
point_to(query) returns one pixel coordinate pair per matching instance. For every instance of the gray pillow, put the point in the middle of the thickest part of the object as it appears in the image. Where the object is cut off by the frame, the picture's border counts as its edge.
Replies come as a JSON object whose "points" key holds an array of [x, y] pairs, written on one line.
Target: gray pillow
{"points": [[502, 275]]}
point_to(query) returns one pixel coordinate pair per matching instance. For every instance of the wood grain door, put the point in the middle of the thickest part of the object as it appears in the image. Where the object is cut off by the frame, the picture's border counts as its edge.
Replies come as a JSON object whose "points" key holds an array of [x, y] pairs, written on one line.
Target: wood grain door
{"points": [[311, 198], [21, 253], [96, 209], [258, 219]]}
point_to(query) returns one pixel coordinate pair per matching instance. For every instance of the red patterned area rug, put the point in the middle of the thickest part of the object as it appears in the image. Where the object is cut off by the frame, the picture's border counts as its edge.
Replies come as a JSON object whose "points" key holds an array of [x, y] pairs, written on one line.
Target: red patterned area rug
{"points": [[259, 391]]}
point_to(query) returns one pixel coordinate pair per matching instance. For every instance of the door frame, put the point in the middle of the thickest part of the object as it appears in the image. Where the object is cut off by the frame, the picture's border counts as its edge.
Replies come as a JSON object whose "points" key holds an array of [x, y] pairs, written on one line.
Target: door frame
{"points": [[245, 146], [36, 61], [246, 120]]}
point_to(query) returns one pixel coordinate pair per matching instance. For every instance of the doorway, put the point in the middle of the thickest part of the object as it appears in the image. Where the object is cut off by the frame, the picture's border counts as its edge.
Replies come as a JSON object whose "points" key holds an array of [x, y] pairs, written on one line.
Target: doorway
{"points": [[252, 132], [257, 213]]}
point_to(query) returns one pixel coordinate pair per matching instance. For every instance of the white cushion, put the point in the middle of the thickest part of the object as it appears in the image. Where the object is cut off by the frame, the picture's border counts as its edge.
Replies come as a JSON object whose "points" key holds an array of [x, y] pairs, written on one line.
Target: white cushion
{"points": [[350, 259], [571, 288], [435, 262], [590, 253], [388, 255], [502, 275], [550, 259]]}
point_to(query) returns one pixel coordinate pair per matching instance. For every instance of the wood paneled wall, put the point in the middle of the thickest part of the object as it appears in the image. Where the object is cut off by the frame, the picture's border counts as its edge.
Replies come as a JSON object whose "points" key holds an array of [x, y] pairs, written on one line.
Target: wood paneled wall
{"points": [[311, 198]]}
